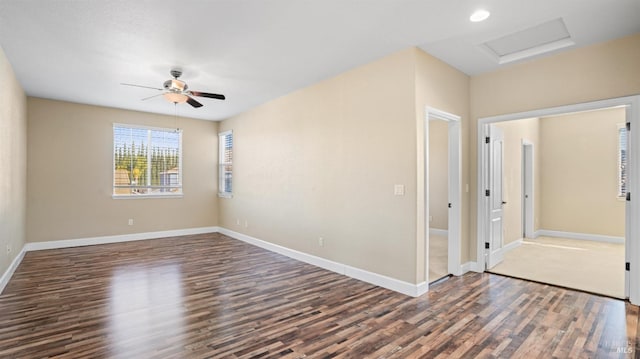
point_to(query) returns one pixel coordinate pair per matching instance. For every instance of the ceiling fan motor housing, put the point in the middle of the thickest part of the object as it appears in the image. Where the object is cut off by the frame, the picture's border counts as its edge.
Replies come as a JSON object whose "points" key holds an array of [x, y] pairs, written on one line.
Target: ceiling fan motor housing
{"points": [[175, 85]]}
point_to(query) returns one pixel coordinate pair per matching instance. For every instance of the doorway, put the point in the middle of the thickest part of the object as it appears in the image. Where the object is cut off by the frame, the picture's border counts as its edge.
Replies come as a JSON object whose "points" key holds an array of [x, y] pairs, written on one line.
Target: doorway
{"points": [[530, 229], [443, 197], [528, 189], [438, 199]]}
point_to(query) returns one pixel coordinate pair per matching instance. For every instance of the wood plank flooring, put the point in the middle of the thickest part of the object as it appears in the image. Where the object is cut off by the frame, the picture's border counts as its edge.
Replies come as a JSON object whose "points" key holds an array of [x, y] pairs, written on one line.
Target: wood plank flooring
{"points": [[209, 296]]}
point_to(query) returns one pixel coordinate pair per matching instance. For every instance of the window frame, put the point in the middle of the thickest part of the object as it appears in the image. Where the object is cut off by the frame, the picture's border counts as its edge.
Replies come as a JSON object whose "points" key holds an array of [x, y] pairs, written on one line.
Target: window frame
{"points": [[222, 190], [180, 187]]}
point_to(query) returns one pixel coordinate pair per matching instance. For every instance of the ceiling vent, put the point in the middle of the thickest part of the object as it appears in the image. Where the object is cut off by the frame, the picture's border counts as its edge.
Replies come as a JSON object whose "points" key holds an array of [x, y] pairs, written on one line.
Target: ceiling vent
{"points": [[546, 37]]}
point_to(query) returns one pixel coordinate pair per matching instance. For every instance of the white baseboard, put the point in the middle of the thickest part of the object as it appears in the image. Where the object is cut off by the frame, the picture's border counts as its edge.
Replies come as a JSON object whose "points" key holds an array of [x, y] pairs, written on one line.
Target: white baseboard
{"points": [[6, 276], [438, 232], [513, 245], [583, 236], [471, 267], [67, 243], [380, 280], [421, 288], [457, 271], [291, 253]]}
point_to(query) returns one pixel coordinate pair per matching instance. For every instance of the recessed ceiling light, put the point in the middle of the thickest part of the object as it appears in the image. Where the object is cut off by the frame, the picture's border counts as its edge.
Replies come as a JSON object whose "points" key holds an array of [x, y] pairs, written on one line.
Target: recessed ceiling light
{"points": [[479, 15]]}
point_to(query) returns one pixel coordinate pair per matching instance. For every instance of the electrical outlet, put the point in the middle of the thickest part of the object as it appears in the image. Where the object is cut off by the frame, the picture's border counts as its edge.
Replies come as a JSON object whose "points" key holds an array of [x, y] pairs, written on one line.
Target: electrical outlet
{"points": [[131, 221], [321, 242], [246, 224], [238, 221]]}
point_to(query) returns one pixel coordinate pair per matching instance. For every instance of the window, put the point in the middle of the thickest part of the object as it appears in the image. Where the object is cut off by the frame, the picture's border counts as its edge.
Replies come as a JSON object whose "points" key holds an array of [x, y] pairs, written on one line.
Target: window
{"points": [[225, 163], [622, 161], [146, 161]]}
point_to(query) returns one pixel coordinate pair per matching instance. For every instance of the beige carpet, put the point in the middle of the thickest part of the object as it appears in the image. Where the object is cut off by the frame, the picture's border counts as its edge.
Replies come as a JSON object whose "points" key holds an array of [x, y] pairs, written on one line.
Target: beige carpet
{"points": [[591, 266], [438, 257]]}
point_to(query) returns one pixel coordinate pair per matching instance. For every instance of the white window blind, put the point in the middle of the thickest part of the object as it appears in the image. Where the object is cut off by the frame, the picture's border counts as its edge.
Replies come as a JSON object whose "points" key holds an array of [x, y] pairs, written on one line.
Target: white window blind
{"points": [[225, 163], [622, 161], [146, 161]]}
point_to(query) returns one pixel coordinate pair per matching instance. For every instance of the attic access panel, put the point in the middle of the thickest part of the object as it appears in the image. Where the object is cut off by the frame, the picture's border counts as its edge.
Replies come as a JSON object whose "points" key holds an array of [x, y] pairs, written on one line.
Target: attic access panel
{"points": [[536, 40]]}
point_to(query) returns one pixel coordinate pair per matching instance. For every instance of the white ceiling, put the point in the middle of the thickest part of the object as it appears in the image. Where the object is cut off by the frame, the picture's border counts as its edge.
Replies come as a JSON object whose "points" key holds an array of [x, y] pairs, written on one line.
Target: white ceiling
{"points": [[256, 50]]}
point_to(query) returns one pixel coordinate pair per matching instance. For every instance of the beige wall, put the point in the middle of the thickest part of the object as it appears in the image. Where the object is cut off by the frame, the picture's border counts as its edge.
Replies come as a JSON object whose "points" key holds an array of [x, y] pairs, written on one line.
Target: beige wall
{"points": [[580, 175], [323, 162], [13, 156], [514, 134], [438, 174], [591, 73], [70, 159], [440, 86]]}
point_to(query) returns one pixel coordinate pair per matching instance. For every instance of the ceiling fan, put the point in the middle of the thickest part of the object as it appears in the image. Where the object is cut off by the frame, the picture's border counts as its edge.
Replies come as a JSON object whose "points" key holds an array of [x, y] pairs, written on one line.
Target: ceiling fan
{"points": [[177, 91]]}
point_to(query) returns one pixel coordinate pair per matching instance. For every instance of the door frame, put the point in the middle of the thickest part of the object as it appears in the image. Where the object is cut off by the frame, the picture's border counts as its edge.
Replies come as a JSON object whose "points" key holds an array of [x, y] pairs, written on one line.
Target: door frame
{"points": [[454, 191], [528, 188], [632, 230]]}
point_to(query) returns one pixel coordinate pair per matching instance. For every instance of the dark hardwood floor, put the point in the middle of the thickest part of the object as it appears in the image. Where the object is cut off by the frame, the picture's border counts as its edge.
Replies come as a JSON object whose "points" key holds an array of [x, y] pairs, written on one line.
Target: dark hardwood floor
{"points": [[209, 296]]}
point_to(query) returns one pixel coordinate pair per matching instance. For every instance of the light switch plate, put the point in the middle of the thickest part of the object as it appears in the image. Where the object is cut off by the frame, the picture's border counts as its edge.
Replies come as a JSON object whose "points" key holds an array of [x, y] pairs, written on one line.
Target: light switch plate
{"points": [[398, 190]]}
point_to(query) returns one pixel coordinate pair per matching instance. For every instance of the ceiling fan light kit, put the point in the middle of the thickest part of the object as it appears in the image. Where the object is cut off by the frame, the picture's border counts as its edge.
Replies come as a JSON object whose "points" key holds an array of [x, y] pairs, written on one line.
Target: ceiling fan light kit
{"points": [[175, 97], [177, 91]]}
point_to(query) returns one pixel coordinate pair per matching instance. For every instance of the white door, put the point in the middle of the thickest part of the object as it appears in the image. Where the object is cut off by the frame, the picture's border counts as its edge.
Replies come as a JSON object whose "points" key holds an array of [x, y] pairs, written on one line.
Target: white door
{"points": [[527, 193], [493, 248], [455, 207]]}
